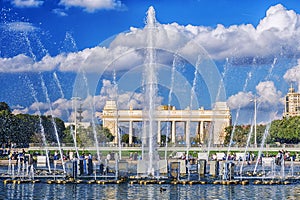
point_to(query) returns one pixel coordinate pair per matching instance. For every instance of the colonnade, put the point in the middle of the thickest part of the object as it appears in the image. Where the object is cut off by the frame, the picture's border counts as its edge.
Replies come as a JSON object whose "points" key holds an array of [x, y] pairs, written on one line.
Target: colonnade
{"points": [[187, 133], [219, 116]]}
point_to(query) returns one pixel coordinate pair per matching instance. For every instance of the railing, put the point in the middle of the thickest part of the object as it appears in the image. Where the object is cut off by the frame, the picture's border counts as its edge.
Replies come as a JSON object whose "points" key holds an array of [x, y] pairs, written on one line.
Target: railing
{"points": [[180, 145]]}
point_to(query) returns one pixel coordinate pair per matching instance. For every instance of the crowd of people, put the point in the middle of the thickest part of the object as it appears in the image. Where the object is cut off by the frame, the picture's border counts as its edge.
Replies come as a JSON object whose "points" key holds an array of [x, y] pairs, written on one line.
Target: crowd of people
{"points": [[250, 156], [284, 155], [20, 155], [134, 156]]}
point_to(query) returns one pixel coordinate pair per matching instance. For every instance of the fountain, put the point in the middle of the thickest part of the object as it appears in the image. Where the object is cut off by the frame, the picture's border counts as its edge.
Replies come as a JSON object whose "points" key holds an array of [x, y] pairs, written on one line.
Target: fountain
{"points": [[149, 165], [151, 92], [68, 113], [179, 178], [41, 126], [147, 170], [53, 123]]}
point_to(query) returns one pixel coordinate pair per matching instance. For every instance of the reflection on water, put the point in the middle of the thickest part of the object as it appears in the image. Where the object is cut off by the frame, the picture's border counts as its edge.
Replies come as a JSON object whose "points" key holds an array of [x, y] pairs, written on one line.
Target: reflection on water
{"points": [[126, 191]]}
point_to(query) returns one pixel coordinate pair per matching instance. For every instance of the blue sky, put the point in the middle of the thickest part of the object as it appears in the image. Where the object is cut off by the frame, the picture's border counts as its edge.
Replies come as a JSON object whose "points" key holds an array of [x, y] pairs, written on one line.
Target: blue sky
{"points": [[72, 45]]}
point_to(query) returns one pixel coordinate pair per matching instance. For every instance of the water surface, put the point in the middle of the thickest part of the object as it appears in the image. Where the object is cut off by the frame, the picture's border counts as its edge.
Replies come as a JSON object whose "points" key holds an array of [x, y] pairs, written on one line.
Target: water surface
{"points": [[127, 191]]}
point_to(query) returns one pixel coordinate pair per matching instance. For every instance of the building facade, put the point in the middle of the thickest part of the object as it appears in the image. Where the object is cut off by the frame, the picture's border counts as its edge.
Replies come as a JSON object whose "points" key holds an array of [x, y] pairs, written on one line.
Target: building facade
{"points": [[292, 103], [209, 121]]}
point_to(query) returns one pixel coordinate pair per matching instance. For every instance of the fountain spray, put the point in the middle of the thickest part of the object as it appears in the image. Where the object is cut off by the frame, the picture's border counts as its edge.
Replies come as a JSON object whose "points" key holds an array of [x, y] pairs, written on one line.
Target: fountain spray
{"points": [[151, 86]]}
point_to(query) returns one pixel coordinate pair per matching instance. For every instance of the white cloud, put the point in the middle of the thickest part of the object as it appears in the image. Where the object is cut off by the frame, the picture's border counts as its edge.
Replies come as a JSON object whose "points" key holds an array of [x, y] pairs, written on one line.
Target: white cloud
{"points": [[240, 100], [98, 58], [92, 5], [269, 102], [125, 99], [59, 12], [36, 106], [27, 3], [20, 27], [16, 64], [64, 108], [275, 35], [268, 95], [21, 63], [293, 75], [275, 32], [279, 19], [20, 111]]}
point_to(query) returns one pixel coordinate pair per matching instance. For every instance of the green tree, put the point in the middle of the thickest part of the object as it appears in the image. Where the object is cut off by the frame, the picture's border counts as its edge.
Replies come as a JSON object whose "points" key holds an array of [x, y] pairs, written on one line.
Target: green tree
{"points": [[286, 130], [86, 136], [68, 134], [6, 135], [125, 139], [4, 107], [241, 134], [164, 139], [24, 128], [51, 126], [239, 137], [107, 134]]}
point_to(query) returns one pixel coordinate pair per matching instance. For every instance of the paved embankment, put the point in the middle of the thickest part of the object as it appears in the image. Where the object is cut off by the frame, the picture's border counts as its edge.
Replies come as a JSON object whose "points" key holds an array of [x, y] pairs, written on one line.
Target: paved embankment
{"points": [[197, 149]]}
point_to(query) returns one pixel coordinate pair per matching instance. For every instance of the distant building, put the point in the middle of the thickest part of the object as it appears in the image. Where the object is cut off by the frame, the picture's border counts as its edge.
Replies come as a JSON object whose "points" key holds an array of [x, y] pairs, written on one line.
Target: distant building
{"points": [[208, 121], [292, 103], [82, 124]]}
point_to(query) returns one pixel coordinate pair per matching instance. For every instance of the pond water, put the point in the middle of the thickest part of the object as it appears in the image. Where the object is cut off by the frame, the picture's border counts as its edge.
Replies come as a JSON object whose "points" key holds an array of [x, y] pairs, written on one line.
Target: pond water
{"points": [[135, 191]]}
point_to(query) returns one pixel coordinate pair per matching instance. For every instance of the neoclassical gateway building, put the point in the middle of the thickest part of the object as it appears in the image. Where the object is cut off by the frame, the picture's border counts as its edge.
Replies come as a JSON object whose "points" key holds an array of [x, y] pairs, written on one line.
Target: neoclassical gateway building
{"points": [[208, 122]]}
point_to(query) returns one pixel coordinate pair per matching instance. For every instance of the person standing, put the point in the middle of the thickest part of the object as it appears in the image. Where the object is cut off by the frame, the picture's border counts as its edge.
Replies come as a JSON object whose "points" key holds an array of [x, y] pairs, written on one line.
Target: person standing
{"points": [[90, 164]]}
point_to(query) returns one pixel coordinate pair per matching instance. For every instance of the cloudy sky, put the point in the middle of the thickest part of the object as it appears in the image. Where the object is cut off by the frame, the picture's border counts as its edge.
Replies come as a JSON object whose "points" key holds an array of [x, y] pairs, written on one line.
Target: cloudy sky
{"points": [[205, 51]]}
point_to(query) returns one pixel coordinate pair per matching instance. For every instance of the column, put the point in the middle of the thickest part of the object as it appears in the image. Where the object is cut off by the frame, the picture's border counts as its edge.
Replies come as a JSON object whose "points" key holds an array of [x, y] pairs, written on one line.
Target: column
{"points": [[116, 132], [187, 133], [173, 132], [130, 132], [144, 137], [158, 132], [201, 132]]}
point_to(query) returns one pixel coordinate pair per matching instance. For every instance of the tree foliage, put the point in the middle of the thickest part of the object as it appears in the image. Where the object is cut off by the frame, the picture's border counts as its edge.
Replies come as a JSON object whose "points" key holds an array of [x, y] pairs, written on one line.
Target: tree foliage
{"points": [[85, 137], [236, 135], [240, 134], [22, 129], [286, 130], [4, 107], [125, 139]]}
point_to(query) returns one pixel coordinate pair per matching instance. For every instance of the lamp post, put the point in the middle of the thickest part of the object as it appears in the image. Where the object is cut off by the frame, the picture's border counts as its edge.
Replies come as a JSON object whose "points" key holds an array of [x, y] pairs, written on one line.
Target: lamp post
{"points": [[75, 117], [255, 115]]}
